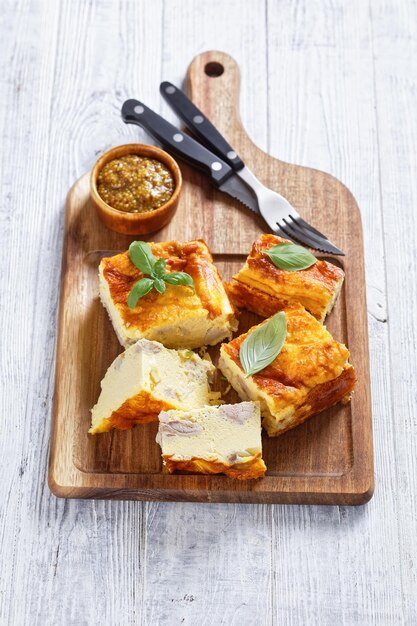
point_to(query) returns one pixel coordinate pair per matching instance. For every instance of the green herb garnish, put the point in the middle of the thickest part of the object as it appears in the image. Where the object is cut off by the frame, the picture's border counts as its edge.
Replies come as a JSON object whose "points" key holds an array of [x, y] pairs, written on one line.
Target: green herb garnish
{"points": [[159, 268], [140, 254], [263, 344], [179, 278], [290, 257], [139, 289]]}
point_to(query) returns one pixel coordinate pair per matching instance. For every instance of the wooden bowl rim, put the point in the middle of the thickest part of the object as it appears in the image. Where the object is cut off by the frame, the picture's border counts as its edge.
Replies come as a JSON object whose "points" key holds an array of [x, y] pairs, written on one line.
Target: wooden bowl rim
{"points": [[141, 149]]}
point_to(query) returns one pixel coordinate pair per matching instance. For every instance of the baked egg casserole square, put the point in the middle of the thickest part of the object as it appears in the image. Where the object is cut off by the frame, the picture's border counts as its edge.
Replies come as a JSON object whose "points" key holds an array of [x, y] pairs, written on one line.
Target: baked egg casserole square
{"points": [[178, 318]]}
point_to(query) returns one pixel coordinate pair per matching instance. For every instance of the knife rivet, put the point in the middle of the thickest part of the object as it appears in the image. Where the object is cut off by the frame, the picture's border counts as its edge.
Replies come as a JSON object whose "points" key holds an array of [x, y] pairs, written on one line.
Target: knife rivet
{"points": [[231, 155], [170, 89], [139, 109], [178, 137], [216, 166], [198, 119]]}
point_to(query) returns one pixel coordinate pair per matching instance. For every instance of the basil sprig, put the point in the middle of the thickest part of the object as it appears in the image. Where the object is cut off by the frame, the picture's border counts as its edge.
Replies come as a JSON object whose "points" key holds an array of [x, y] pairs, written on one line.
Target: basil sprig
{"points": [[290, 257], [139, 289], [179, 278], [263, 344], [140, 254]]}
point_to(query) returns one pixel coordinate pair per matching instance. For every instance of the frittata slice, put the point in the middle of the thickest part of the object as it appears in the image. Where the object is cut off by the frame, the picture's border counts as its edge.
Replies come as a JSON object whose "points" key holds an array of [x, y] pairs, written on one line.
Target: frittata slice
{"points": [[213, 440], [310, 374], [178, 318], [260, 286], [148, 378]]}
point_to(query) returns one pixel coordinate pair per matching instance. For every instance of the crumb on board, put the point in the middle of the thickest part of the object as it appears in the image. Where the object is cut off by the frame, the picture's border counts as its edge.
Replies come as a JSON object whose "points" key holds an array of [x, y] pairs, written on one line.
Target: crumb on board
{"points": [[215, 398], [204, 354]]}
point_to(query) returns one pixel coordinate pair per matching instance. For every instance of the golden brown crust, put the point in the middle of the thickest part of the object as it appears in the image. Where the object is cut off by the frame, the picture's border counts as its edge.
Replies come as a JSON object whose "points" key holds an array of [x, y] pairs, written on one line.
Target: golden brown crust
{"points": [[314, 287], [320, 398], [140, 409], [255, 468], [248, 297], [310, 374], [194, 258], [310, 355]]}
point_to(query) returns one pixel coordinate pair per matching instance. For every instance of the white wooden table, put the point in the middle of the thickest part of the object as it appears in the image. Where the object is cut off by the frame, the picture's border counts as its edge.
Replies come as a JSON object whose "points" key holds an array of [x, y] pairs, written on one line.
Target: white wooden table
{"points": [[329, 84]]}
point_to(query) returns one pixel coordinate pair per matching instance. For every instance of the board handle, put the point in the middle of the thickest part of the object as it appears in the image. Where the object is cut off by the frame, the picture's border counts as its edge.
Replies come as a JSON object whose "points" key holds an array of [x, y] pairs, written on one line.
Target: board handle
{"points": [[213, 84]]}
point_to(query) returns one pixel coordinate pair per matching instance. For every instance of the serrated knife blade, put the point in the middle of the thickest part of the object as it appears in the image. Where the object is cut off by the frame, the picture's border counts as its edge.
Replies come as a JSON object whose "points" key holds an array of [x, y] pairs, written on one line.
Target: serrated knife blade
{"points": [[234, 187]]}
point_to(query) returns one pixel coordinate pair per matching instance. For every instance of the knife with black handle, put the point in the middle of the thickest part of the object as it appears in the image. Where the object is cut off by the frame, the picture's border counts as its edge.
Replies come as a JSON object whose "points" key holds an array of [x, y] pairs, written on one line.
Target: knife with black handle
{"points": [[280, 215], [200, 125], [177, 142], [181, 145], [241, 183]]}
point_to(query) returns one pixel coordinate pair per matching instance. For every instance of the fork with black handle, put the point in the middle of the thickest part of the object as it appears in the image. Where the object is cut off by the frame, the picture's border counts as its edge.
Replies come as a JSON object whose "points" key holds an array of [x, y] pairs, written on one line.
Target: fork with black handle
{"points": [[223, 175], [274, 208]]}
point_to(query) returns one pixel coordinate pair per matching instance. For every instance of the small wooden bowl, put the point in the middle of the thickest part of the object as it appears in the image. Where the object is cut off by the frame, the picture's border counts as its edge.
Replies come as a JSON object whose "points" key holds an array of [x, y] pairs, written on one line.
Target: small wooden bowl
{"points": [[136, 223]]}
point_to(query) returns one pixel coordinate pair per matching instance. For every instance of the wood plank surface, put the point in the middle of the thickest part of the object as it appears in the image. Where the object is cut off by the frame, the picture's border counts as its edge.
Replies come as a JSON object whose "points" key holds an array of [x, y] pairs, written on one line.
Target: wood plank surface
{"points": [[326, 84], [327, 460]]}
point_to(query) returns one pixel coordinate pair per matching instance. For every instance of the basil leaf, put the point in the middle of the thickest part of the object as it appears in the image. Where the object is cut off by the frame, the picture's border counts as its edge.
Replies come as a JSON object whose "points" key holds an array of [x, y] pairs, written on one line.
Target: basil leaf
{"points": [[159, 268], [290, 257], [263, 345], [179, 278], [140, 254], [139, 289], [159, 285]]}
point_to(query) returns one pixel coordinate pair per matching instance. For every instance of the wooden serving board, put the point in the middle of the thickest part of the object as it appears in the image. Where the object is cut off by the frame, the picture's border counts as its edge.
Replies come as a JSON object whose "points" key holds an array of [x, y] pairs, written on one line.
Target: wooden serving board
{"points": [[328, 459]]}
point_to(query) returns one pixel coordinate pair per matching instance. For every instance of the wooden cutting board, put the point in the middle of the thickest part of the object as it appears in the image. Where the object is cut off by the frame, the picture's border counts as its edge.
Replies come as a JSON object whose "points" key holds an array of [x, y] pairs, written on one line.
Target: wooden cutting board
{"points": [[328, 459]]}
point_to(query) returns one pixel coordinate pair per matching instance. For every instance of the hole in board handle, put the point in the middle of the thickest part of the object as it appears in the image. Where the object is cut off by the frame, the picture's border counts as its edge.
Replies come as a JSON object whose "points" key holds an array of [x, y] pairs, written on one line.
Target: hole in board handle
{"points": [[214, 69]]}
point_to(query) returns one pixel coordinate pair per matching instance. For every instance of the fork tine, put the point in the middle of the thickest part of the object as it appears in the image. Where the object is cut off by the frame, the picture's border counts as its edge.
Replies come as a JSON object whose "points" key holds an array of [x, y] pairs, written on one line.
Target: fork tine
{"points": [[297, 230], [288, 234], [323, 246], [306, 226], [281, 233], [309, 239]]}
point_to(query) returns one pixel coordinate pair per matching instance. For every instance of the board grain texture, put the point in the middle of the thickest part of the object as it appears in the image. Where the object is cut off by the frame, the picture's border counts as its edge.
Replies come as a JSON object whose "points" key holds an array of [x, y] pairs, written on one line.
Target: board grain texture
{"points": [[325, 83], [327, 460]]}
